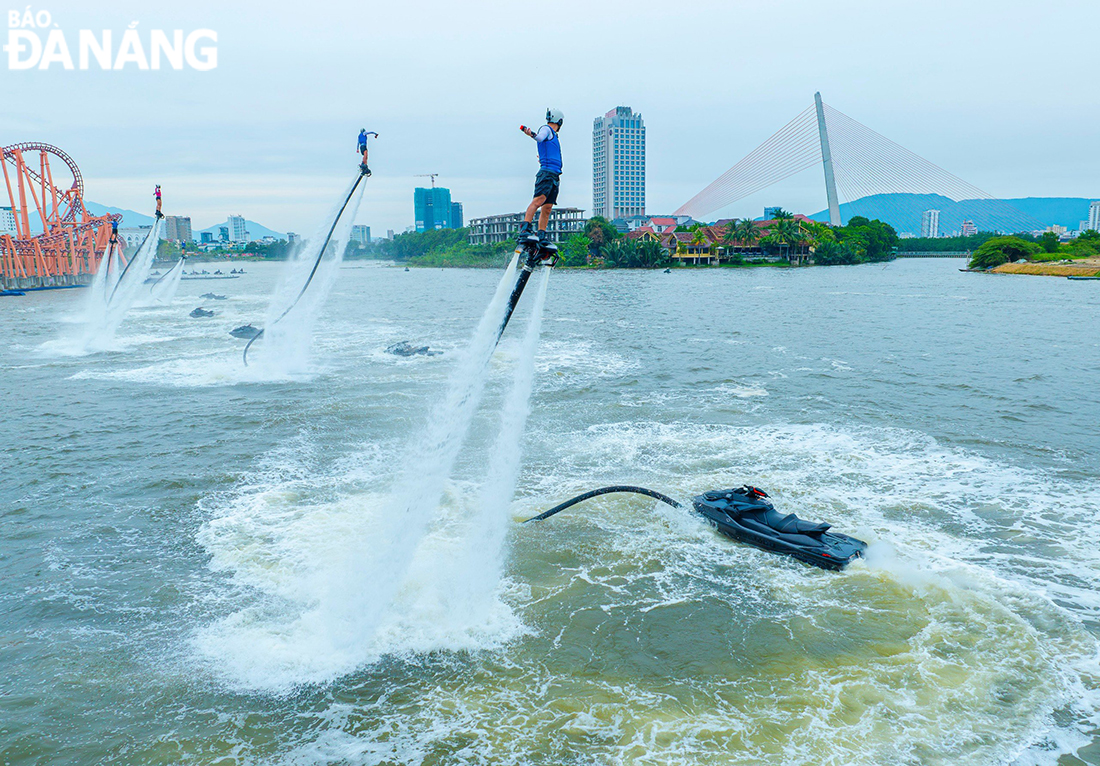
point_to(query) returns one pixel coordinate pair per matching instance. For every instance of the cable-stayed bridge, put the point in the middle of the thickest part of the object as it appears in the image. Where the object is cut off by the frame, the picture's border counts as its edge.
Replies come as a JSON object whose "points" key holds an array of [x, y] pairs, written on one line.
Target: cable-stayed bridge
{"points": [[861, 169]]}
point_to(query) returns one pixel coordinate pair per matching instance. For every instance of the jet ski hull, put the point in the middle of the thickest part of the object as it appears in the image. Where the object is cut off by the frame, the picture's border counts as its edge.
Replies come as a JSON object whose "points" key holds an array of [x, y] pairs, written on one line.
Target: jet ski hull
{"points": [[828, 550]]}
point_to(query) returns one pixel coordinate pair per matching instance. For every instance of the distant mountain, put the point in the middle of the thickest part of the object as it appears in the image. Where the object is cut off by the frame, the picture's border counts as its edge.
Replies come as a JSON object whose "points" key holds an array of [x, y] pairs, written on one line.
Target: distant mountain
{"points": [[131, 218], [255, 230], [904, 212]]}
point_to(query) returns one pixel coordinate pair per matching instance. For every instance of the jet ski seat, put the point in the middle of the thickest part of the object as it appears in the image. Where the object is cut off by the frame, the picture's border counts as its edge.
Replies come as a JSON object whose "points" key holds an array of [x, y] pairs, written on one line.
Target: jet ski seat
{"points": [[745, 506], [793, 525]]}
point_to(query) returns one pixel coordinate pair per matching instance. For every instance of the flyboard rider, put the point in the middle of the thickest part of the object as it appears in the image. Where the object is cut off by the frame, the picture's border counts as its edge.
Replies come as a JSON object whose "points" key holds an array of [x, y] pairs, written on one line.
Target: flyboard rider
{"points": [[361, 147], [547, 180]]}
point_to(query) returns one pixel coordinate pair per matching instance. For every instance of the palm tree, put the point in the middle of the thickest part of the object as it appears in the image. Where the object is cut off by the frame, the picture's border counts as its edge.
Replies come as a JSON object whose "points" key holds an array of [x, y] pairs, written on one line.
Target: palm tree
{"points": [[650, 255], [731, 233], [619, 253], [781, 215], [747, 232], [817, 232], [789, 233]]}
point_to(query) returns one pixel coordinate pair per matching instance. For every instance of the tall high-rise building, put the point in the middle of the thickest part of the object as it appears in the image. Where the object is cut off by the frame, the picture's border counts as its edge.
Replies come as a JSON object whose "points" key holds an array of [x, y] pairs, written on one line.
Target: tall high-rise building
{"points": [[361, 234], [238, 229], [618, 164], [177, 228], [432, 208], [930, 223], [969, 229], [292, 238], [1094, 216], [456, 215], [7, 221], [223, 233]]}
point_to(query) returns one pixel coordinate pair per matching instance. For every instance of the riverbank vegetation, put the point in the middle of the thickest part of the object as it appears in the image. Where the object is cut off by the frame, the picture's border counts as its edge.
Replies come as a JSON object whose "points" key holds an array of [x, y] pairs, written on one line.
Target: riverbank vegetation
{"points": [[600, 245], [1046, 248]]}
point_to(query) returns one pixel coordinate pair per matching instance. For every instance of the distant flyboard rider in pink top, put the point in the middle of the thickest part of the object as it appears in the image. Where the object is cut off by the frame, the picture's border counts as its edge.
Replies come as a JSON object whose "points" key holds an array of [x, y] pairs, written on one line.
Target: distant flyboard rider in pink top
{"points": [[547, 180], [157, 195]]}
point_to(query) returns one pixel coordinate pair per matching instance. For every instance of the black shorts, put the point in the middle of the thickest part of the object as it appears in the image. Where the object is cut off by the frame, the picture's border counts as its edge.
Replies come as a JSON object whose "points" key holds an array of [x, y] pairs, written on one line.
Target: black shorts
{"points": [[546, 185]]}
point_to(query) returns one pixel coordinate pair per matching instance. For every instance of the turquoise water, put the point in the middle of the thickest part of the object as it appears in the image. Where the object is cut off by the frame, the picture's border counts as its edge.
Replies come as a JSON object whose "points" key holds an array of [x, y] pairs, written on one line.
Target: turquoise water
{"points": [[177, 530]]}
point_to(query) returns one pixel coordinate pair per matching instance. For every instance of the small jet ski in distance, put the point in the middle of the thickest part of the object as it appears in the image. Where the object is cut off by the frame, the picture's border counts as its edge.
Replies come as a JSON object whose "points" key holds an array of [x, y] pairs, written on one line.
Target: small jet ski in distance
{"points": [[746, 514]]}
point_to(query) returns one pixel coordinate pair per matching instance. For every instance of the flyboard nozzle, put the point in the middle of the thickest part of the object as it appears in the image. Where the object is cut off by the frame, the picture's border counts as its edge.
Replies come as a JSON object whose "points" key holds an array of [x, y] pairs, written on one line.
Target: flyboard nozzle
{"points": [[533, 253]]}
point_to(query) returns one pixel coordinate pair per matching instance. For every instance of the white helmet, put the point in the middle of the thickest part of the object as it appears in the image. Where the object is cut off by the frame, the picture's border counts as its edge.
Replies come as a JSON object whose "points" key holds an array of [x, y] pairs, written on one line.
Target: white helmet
{"points": [[554, 115]]}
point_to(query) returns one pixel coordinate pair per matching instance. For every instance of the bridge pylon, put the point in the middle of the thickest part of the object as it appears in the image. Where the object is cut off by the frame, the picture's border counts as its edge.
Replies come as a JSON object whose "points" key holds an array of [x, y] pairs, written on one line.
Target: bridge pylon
{"points": [[827, 162]]}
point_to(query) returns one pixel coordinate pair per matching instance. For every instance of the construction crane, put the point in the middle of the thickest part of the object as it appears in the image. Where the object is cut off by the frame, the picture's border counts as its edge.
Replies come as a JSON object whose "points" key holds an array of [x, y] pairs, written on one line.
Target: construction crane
{"points": [[427, 175]]}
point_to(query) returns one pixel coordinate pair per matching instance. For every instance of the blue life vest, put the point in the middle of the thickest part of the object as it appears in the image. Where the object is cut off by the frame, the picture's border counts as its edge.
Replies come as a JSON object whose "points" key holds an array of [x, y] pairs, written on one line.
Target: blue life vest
{"points": [[550, 153]]}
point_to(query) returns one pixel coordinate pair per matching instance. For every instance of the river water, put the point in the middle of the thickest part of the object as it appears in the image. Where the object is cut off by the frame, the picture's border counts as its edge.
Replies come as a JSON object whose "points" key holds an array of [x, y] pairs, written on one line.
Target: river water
{"points": [[175, 528]]}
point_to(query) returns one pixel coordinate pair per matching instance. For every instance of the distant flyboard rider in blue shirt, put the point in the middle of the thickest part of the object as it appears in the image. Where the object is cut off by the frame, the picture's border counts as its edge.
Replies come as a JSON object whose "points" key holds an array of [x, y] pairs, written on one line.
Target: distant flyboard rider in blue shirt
{"points": [[362, 148], [546, 182]]}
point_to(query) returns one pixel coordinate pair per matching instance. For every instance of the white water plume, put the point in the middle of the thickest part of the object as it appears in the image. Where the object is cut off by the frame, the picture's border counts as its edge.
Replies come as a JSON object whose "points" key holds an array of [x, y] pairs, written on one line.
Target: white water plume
{"points": [[164, 289], [292, 313], [324, 614], [415, 501], [470, 579], [113, 292]]}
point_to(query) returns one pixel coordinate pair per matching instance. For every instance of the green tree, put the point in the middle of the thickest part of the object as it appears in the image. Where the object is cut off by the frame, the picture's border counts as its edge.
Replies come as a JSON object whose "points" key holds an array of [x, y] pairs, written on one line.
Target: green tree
{"points": [[1002, 250], [747, 232], [1049, 242], [600, 232], [650, 255], [620, 254], [833, 253], [787, 232], [576, 250], [167, 251], [781, 215]]}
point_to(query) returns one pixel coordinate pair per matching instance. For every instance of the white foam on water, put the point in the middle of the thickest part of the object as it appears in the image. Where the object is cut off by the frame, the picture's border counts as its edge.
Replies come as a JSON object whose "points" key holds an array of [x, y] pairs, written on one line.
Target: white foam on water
{"points": [[112, 294], [330, 574], [453, 589], [961, 651]]}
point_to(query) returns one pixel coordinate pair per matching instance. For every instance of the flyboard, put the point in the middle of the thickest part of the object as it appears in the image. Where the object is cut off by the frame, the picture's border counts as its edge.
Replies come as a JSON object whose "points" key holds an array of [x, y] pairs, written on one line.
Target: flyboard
{"points": [[316, 264], [530, 254]]}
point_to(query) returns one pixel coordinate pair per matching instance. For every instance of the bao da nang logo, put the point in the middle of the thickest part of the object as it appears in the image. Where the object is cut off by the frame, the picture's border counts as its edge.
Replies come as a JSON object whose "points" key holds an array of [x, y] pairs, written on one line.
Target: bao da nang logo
{"points": [[36, 42]]}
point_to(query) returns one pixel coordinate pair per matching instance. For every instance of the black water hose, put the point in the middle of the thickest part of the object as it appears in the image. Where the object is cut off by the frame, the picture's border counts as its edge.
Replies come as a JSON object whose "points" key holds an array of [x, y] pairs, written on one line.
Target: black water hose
{"points": [[313, 271], [605, 491]]}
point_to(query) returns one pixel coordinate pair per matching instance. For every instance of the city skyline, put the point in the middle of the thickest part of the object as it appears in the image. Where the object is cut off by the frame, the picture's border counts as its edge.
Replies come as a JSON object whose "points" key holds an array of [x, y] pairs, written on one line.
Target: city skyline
{"points": [[198, 134]]}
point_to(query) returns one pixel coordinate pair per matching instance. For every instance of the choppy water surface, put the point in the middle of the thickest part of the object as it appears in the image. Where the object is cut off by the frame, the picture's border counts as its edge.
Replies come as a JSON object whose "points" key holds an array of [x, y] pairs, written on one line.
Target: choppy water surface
{"points": [[181, 539]]}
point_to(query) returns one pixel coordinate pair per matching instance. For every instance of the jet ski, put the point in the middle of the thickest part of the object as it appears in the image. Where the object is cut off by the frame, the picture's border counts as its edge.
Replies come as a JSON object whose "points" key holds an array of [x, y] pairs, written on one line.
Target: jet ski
{"points": [[404, 348], [246, 331], [746, 514]]}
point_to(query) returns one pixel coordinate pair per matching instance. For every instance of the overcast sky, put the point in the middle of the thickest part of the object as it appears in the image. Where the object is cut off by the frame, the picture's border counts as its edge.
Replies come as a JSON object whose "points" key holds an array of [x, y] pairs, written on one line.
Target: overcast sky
{"points": [[1002, 94]]}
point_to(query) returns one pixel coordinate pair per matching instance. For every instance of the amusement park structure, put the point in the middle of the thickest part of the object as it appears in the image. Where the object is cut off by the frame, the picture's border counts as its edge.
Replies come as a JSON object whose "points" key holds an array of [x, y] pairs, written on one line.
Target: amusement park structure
{"points": [[47, 236]]}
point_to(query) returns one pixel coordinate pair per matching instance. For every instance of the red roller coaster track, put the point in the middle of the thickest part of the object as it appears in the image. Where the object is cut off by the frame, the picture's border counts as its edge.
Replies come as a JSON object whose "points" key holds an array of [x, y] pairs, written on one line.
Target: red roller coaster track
{"points": [[70, 243]]}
